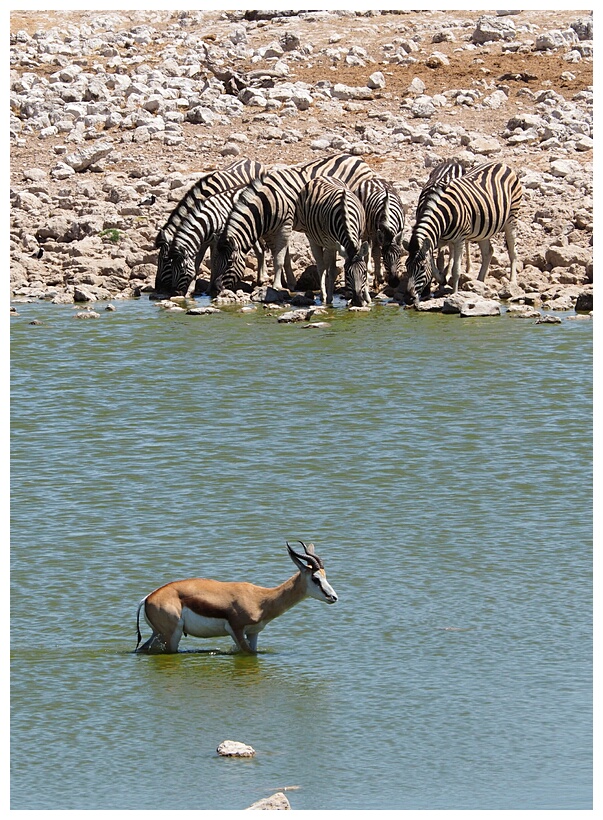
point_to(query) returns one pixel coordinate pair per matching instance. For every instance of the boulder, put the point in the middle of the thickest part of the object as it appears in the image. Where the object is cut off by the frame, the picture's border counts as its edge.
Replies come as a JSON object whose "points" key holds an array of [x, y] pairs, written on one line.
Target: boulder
{"points": [[562, 256], [470, 304], [275, 801], [584, 302], [233, 748], [490, 29]]}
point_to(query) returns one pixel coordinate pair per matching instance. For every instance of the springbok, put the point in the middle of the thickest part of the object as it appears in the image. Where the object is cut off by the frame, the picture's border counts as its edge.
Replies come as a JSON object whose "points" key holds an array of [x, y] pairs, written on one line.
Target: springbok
{"points": [[211, 609]]}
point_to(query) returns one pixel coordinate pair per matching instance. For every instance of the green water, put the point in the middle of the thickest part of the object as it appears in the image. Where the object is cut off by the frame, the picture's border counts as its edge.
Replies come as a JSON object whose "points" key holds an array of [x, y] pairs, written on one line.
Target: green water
{"points": [[441, 466]]}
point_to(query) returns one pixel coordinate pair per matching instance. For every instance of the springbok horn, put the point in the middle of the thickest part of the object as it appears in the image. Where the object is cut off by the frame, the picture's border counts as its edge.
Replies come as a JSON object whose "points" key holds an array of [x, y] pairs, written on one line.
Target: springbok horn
{"points": [[308, 558], [309, 549]]}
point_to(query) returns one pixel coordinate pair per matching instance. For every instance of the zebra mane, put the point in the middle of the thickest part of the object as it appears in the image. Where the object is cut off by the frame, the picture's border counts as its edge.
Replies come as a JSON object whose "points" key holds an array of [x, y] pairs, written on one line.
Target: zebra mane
{"points": [[250, 190], [161, 238]]}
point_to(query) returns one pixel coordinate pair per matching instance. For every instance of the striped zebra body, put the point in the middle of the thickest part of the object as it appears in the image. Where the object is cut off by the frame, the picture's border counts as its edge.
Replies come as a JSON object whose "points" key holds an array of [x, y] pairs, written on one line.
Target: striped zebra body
{"points": [[384, 227], [238, 173], [472, 208], [266, 209], [332, 217], [440, 177], [198, 232]]}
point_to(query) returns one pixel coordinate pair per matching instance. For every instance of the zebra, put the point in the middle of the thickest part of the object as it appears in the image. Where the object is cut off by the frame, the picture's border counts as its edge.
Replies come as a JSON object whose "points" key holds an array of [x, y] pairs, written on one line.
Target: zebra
{"points": [[197, 232], [441, 176], [332, 217], [266, 209], [384, 227], [473, 207], [238, 173]]}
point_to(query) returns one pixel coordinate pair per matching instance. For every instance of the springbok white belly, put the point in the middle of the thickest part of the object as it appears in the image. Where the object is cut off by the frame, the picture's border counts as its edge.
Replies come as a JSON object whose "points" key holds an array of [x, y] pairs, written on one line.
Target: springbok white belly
{"points": [[201, 627]]}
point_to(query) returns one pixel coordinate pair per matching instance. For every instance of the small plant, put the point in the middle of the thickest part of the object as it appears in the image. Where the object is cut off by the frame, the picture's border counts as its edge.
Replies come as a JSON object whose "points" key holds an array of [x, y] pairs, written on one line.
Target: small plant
{"points": [[111, 235]]}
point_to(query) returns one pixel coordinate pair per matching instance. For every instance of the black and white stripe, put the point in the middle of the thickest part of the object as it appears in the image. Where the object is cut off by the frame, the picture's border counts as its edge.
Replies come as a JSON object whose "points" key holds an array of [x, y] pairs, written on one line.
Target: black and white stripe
{"points": [[384, 227], [472, 208], [198, 232], [332, 217], [266, 209], [439, 178], [238, 173]]}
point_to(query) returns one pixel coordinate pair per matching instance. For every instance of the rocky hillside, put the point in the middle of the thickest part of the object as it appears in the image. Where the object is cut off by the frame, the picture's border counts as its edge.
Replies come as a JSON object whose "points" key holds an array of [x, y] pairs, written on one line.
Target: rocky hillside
{"points": [[110, 110]]}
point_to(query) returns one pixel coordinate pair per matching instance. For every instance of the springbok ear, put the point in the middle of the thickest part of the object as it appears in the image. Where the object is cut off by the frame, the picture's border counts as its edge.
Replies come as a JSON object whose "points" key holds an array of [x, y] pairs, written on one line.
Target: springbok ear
{"points": [[298, 560]]}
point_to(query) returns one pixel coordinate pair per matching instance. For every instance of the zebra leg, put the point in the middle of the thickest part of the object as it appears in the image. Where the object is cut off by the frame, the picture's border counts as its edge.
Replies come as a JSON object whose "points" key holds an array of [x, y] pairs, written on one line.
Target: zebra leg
{"points": [[317, 253], [260, 255], [330, 261], [280, 250], [485, 247], [467, 258], [376, 253], [456, 254], [442, 267], [289, 275], [510, 237]]}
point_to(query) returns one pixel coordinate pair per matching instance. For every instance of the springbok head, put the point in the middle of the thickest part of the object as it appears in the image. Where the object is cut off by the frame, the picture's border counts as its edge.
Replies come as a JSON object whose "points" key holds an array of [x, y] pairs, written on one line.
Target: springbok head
{"points": [[313, 571]]}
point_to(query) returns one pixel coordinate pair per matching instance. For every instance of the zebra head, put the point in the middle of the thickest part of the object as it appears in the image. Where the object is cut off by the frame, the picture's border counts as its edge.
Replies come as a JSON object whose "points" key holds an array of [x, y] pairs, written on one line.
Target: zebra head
{"points": [[420, 268], [391, 250], [163, 277], [356, 276], [183, 271], [227, 267]]}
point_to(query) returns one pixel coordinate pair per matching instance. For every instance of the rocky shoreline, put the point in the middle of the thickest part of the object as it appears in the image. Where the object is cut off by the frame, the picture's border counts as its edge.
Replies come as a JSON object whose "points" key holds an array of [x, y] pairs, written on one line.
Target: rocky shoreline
{"points": [[115, 114]]}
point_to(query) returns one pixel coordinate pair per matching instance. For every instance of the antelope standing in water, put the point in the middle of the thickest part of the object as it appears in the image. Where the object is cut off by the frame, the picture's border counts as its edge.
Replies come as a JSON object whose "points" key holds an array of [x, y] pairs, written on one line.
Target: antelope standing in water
{"points": [[211, 609]]}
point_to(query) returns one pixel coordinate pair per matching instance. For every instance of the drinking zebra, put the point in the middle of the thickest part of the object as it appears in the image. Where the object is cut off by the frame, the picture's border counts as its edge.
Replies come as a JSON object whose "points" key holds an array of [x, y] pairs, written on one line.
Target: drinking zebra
{"points": [[197, 232], [266, 209], [384, 214], [440, 177], [332, 217], [473, 207], [235, 175]]}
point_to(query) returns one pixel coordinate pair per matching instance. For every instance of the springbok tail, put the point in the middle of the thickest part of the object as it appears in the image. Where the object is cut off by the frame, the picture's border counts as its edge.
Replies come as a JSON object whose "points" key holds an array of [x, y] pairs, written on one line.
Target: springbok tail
{"points": [[138, 634]]}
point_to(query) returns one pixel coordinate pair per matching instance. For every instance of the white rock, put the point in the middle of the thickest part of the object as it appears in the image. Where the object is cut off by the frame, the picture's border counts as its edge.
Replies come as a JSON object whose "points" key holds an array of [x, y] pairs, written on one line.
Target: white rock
{"points": [[233, 748], [493, 28], [275, 801], [495, 100], [376, 80]]}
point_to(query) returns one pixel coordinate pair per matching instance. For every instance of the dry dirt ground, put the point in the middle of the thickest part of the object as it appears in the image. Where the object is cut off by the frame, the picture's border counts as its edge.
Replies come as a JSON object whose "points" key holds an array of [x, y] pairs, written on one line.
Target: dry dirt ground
{"points": [[534, 71]]}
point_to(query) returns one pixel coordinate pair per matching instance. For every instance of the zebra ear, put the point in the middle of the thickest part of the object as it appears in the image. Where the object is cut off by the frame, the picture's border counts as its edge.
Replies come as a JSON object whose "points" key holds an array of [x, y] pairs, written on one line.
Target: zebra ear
{"points": [[405, 244], [397, 240], [364, 249], [380, 237]]}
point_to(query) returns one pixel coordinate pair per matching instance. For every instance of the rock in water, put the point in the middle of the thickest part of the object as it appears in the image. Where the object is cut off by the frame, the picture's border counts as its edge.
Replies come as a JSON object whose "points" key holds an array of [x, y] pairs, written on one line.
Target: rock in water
{"points": [[232, 748], [275, 801]]}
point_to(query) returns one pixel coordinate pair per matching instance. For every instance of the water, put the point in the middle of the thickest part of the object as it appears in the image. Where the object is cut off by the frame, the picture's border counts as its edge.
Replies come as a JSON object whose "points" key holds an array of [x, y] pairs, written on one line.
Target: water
{"points": [[441, 466]]}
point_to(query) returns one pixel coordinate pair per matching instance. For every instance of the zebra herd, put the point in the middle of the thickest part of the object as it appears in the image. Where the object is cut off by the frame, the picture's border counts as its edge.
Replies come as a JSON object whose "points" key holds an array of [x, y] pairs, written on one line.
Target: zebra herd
{"points": [[341, 205]]}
